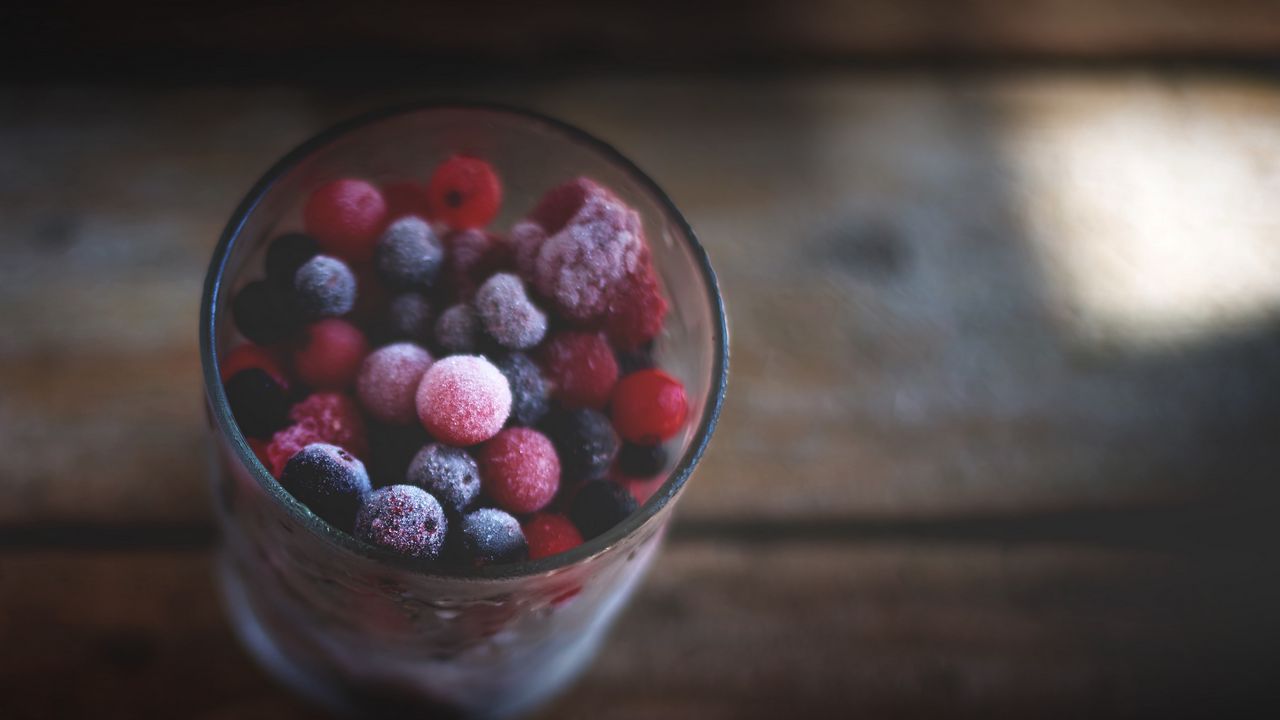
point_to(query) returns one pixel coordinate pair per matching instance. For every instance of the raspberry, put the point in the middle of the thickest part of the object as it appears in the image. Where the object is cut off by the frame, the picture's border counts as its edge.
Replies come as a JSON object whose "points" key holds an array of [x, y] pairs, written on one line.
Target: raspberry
{"points": [[558, 206], [328, 479], [345, 216], [333, 418], [549, 534], [585, 441], [405, 197], [636, 311], [581, 368], [388, 382], [463, 400], [324, 287], [519, 470], [286, 254], [641, 461], [331, 355], [286, 443], [488, 536], [403, 519], [264, 313], [472, 256], [408, 255], [649, 406], [464, 192], [248, 355], [258, 403], [508, 314], [449, 473], [458, 329], [409, 318], [528, 389], [579, 267], [600, 505]]}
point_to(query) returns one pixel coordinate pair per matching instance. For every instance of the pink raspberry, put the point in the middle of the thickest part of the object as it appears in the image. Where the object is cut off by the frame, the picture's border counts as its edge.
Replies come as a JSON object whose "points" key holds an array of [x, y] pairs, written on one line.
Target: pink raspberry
{"points": [[331, 355], [636, 310], [388, 382], [549, 534], [579, 266], [519, 470], [581, 367], [463, 400], [334, 418]]}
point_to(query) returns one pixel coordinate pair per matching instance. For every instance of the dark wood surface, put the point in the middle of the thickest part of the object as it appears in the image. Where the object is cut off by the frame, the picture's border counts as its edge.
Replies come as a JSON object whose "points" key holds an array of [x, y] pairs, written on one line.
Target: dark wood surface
{"points": [[999, 440]]}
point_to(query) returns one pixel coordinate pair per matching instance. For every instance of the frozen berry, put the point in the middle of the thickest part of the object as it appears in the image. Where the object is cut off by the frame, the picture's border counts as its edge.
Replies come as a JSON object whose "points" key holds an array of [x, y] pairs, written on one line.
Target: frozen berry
{"points": [[258, 403], [324, 287], [286, 443], [581, 367], [641, 461], [403, 519], [391, 449], [335, 419], [408, 255], [600, 505], [473, 255], [330, 357], [579, 267], [585, 441], [458, 329], [248, 355], [463, 400], [345, 216], [529, 400], [508, 314], [327, 479], [449, 473], [520, 470], [464, 192], [388, 382], [405, 198], [558, 206], [490, 536], [649, 406], [264, 313], [636, 311], [409, 318], [286, 254], [549, 534]]}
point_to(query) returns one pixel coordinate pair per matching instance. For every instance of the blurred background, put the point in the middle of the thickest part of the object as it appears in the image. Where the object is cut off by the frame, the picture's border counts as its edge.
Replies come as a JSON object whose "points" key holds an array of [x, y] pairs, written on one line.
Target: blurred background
{"points": [[1004, 287]]}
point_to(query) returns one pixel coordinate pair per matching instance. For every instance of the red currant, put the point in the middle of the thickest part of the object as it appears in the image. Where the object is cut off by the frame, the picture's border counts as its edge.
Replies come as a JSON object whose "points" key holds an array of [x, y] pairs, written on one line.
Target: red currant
{"points": [[464, 192], [649, 406], [345, 217]]}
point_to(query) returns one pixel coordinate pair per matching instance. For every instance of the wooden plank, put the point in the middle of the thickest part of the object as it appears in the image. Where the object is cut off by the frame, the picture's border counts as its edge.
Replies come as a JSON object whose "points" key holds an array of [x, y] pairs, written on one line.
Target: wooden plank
{"points": [[720, 631], [949, 295]]}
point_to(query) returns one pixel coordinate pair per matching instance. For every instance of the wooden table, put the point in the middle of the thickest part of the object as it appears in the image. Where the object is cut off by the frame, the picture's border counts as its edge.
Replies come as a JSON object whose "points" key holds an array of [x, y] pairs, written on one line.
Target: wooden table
{"points": [[999, 438]]}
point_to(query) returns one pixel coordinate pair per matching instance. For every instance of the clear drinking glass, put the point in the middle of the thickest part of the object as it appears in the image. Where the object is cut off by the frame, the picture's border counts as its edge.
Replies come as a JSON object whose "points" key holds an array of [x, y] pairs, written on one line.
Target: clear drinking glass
{"points": [[356, 628]]}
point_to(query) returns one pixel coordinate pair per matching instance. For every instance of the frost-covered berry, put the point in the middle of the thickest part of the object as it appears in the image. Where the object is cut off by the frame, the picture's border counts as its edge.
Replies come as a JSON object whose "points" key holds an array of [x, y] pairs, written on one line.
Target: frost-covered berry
{"points": [[327, 479], [649, 406], [489, 536], [403, 519], [464, 192], [463, 400], [449, 473], [520, 470], [408, 255], [331, 354], [388, 382], [549, 534], [345, 217], [508, 314], [529, 396], [324, 286], [581, 367]]}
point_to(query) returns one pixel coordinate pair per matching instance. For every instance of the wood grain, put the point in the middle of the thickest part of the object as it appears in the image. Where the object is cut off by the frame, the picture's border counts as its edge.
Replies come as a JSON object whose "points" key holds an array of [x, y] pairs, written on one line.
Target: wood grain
{"points": [[951, 295], [721, 631]]}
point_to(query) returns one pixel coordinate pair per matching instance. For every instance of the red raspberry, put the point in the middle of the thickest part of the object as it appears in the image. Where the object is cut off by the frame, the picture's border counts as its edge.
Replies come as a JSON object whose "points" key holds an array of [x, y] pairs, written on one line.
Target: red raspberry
{"points": [[286, 443], [581, 368], [345, 217], [248, 355], [649, 406], [558, 206], [330, 357], [636, 311], [405, 198], [463, 400], [334, 418], [464, 192], [549, 534], [519, 470]]}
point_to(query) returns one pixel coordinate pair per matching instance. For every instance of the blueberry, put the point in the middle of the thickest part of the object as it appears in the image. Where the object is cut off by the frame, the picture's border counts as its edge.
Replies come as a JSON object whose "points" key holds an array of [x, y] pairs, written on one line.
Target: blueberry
{"points": [[324, 287], [641, 461], [489, 536], [403, 519], [257, 401], [391, 448], [600, 505], [286, 254], [447, 472], [264, 313], [409, 318], [408, 254], [528, 390], [329, 480], [585, 441]]}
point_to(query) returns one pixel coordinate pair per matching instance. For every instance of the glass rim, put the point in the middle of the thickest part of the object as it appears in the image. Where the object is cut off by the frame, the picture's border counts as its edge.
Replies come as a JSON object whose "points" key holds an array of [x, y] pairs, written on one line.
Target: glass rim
{"points": [[221, 411]]}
